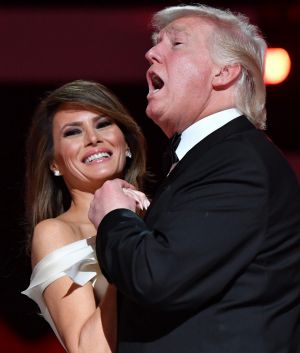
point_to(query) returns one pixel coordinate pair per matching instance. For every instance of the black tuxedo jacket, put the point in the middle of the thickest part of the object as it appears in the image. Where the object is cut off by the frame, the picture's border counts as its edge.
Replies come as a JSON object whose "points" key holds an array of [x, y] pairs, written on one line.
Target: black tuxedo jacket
{"points": [[214, 267]]}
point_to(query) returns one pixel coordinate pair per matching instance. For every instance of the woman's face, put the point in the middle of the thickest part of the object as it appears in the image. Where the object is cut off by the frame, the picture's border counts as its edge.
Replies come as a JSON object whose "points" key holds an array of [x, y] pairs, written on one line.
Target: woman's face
{"points": [[88, 148]]}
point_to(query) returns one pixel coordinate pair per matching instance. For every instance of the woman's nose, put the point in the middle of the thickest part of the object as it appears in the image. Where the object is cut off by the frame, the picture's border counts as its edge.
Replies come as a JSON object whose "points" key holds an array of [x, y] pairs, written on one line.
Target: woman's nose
{"points": [[92, 137]]}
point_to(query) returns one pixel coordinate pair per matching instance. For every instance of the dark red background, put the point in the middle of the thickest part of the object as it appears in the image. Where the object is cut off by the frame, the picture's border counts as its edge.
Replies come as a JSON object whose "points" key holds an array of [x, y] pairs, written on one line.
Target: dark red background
{"points": [[44, 44]]}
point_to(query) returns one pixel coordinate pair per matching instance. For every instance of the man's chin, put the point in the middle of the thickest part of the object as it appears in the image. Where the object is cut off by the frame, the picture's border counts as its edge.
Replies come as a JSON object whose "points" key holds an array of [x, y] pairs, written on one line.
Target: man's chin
{"points": [[153, 112], [153, 115]]}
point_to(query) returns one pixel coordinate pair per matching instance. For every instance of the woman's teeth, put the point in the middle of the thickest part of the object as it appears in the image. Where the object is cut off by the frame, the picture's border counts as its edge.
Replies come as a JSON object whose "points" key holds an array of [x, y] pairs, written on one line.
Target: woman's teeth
{"points": [[100, 155]]}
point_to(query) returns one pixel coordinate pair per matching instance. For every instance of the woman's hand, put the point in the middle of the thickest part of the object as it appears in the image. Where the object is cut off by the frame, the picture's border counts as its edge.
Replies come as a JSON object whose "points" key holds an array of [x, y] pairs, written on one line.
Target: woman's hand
{"points": [[115, 194], [141, 199]]}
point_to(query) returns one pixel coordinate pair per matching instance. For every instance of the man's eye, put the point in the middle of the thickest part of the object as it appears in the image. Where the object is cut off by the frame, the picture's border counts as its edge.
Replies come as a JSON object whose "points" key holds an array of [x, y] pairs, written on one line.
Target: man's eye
{"points": [[72, 132], [176, 43]]}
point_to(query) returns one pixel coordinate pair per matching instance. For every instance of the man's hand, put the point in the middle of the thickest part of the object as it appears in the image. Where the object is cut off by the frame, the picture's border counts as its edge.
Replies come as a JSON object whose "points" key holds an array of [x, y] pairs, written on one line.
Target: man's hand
{"points": [[115, 194]]}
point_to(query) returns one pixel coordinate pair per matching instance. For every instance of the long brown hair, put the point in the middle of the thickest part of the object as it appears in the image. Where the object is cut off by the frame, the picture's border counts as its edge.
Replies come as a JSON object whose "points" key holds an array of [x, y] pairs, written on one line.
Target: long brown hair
{"points": [[47, 196]]}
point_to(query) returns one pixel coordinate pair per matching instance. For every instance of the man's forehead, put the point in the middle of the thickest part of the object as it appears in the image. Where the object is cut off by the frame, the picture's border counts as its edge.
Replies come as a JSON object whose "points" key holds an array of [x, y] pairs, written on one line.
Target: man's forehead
{"points": [[183, 25], [174, 28], [180, 24]]}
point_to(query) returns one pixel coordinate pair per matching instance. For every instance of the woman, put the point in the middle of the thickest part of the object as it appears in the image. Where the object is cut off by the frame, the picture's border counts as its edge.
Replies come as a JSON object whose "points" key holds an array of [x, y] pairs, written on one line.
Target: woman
{"points": [[80, 137]]}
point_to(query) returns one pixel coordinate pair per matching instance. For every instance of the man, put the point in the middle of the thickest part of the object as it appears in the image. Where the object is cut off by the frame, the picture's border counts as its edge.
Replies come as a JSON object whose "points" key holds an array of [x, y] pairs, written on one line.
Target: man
{"points": [[214, 265]]}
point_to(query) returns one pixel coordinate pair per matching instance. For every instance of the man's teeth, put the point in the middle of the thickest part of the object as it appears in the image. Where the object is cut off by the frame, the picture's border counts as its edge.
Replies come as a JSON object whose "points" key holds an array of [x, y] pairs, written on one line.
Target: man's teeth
{"points": [[95, 156]]}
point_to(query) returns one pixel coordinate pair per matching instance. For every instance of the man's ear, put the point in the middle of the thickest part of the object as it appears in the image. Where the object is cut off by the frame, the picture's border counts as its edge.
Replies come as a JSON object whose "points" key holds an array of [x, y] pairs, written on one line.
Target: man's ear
{"points": [[226, 76]]}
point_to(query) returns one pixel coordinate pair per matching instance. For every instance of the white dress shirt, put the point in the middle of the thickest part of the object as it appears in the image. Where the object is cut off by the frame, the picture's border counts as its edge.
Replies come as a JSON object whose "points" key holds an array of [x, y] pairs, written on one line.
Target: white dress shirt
{"points": [[202, 128]]}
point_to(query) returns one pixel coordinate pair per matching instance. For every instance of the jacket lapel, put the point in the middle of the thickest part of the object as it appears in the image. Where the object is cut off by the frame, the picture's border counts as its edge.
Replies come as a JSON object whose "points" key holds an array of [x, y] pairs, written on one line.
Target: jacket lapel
{"points": [[235, 126]]}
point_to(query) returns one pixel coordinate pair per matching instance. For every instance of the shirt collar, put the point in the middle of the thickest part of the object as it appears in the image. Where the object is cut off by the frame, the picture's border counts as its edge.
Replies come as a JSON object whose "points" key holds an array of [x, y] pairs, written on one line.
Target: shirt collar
{"points": [[202, 128]]}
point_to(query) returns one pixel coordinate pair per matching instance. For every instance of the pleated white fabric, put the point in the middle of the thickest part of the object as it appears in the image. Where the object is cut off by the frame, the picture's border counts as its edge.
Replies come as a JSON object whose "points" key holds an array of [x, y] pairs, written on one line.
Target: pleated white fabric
{"points": [[76, 260]]}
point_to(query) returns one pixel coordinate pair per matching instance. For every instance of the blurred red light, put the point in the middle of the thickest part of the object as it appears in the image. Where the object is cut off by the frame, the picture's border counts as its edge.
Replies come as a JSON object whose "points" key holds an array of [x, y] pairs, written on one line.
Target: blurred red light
{"points": [[277, 66]]}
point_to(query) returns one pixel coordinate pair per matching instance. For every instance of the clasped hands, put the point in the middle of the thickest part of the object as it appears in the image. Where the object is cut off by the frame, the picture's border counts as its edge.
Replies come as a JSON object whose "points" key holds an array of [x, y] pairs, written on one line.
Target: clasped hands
{"points": [[116, 194]]}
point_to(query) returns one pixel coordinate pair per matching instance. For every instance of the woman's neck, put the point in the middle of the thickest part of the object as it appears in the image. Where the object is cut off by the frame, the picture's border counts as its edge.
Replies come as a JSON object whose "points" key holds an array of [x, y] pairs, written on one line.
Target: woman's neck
{"points": [[78, 211]]}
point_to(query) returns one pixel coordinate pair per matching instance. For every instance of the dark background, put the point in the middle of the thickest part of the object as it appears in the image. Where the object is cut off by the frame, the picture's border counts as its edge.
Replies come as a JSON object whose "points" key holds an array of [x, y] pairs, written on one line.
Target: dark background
{"points": [[47, 43]]}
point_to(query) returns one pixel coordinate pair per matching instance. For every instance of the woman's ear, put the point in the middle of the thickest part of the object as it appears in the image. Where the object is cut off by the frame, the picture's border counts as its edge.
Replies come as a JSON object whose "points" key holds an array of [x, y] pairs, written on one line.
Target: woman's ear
{"points": [[226, 76], [54, 168], [128, 153]]}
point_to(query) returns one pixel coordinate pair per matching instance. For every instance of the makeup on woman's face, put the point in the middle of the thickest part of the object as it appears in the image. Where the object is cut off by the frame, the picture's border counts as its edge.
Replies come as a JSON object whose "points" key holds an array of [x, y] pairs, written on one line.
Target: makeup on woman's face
{"points": [[88, 147]]}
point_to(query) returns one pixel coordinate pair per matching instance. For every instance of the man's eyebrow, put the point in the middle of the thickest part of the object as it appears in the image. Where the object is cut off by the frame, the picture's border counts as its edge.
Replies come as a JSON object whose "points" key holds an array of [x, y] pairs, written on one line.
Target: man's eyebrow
{"points": [[177, 29], [173, 30]]}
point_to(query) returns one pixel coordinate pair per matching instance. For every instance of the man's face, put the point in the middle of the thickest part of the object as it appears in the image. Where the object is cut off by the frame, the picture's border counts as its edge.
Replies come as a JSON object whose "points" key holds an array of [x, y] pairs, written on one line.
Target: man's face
{"points": [[180, 74]]}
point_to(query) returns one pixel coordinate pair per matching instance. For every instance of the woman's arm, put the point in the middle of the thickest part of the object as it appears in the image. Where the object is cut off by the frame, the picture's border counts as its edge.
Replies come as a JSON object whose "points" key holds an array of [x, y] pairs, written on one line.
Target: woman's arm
{"points": [[83, 325]]}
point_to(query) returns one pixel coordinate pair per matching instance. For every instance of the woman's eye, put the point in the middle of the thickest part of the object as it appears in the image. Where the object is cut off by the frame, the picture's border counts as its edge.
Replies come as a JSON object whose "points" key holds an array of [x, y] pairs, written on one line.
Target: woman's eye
{"points": [[103, 123], [71, 132]]}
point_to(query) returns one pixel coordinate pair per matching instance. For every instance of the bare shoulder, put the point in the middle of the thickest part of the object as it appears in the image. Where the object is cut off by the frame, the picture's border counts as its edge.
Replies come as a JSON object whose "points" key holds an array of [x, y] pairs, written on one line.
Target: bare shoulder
{"points": [[49, 235]]}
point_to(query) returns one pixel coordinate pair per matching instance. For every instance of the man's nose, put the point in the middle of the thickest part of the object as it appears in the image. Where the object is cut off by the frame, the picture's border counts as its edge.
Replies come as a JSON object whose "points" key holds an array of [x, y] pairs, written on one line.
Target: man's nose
{"points": [[152, 55]]}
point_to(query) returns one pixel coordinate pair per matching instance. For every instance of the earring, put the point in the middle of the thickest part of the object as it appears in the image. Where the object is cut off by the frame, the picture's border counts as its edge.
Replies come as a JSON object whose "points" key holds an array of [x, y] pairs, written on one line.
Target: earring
{"points": [[128, 154], [56, 172]]}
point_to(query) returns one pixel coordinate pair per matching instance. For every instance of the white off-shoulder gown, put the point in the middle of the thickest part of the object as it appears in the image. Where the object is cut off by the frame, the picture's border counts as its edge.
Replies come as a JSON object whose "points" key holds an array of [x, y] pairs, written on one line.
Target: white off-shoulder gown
{"points": [[76, 260]]}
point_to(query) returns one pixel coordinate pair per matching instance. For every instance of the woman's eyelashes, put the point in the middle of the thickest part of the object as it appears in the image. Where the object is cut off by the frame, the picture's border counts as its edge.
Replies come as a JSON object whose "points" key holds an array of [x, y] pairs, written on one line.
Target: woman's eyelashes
{"points": [[101, 123], [97, 124], [71, 132]]}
